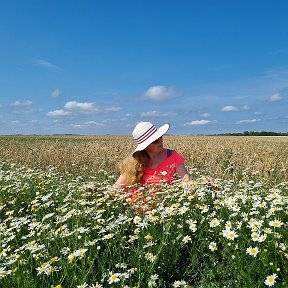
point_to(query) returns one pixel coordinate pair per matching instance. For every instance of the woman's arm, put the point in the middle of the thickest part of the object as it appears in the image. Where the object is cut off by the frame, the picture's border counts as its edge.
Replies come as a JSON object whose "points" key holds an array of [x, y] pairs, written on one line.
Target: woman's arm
{"points": [[120, 182], [182, 172]]}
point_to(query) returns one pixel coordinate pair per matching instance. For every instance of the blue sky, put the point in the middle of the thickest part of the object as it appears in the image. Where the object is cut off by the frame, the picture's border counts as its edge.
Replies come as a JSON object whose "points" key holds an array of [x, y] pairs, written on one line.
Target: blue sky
{"points": [[99, 67]]}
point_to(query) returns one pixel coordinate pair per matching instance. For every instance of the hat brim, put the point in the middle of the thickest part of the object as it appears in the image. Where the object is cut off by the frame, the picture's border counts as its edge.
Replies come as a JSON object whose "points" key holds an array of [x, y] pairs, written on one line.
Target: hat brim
{"points": [[160, 132]]}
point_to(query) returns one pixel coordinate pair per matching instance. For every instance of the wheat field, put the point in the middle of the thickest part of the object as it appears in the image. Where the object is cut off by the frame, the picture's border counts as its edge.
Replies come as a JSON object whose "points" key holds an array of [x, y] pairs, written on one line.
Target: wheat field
{"points": [[217, 156]]}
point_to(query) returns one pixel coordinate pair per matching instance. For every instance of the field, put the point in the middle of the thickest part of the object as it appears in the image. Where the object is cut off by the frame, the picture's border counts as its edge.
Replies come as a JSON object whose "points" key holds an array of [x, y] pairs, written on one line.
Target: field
{"points": [[62, 224], [224, 157]]}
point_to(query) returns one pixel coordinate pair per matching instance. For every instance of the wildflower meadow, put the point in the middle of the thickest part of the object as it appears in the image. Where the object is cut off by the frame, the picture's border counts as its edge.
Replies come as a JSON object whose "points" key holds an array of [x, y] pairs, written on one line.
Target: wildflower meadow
{"points": [[59, 229]]}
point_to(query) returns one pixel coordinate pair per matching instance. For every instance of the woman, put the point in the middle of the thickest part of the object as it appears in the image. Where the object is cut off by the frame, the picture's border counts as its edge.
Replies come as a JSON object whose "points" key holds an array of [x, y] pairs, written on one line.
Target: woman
{"points": [[151, 163]]}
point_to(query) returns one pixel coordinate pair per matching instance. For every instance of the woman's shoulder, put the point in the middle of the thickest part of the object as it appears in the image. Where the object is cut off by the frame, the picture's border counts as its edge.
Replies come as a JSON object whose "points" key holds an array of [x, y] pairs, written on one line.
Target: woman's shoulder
{"points": [[169, 152], [175, 156]]}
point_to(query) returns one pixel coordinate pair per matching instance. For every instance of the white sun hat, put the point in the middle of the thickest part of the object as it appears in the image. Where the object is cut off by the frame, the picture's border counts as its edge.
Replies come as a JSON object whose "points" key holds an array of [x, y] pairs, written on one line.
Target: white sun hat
{"points": [[145, 133]]}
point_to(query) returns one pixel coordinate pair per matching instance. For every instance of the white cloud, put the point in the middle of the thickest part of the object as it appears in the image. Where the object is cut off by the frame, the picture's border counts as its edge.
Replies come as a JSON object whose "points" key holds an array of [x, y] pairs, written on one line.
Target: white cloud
{"points": [[248, 121], [158, 114], [93, 123], [245, 108], [258, 113], [160, 93], [45, 64], [84, 107], [229, 108], [205, 115], [22, 107], [112, 109], [275, 97], [77, 126], [198, 122], [87, 124], [58, 113], [15, 122], [21, 103], [104, 124], [87, 107], [56, 93], [74, 108]]}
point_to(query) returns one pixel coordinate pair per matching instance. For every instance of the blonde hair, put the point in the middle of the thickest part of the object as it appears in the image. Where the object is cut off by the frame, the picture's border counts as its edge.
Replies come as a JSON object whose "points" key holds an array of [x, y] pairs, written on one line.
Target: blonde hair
{"points": [[132, 168]]}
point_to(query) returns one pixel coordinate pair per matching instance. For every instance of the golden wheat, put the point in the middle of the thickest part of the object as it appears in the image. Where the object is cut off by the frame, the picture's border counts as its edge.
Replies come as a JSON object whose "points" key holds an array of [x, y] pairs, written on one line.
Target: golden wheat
{"points": [[218, 156]]}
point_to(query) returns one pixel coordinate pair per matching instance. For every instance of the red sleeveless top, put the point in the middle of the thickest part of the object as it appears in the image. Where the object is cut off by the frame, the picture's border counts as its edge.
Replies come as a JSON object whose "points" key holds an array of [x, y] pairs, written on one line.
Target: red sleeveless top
{"points": [[165, 171]]}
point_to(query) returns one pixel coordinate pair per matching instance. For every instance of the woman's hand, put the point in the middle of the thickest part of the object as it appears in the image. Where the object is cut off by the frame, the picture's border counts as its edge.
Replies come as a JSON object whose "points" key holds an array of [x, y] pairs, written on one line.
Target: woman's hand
{"points": [[120, 183], [183, 173]]}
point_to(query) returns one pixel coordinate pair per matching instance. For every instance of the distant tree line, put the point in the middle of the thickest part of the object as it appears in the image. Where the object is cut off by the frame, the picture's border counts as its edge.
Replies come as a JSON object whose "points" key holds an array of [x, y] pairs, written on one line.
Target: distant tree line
{"points": [[256, 133]]}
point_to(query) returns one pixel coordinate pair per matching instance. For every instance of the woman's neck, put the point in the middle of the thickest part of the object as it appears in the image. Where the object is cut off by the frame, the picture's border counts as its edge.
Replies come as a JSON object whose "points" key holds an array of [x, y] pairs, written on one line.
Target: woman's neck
{"points": [[156, 154], [156, 158]]}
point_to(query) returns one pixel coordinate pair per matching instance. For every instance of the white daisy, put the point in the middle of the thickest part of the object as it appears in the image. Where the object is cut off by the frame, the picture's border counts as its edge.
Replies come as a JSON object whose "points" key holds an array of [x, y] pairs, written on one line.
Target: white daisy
{"points": [[270, 280], [114, 277], [253, 251], [214, 223], [186, 239], [213, 246], [276, 223]]}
